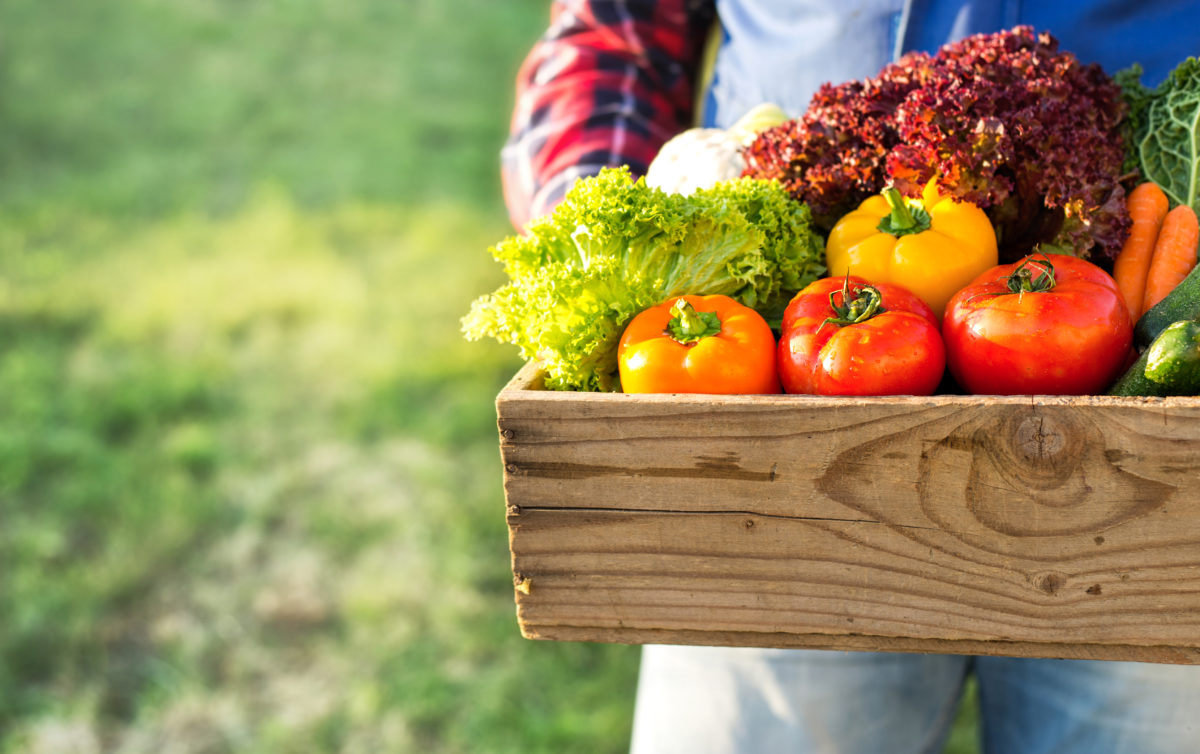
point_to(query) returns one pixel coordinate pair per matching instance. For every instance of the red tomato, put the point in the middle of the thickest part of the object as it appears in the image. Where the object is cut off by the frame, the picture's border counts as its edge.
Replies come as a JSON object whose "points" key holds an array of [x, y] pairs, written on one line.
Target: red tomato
{"points": [[1049, 324], [845, 336]]}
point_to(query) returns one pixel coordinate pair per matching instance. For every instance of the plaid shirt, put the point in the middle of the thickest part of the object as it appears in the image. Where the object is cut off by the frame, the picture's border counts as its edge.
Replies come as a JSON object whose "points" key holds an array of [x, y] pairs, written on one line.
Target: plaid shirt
{"points": [[608, 84]]}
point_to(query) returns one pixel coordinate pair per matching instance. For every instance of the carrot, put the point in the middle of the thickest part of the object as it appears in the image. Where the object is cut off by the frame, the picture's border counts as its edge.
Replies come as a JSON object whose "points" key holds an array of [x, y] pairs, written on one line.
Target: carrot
{"points": [[1174, 254], [1147, 207]]}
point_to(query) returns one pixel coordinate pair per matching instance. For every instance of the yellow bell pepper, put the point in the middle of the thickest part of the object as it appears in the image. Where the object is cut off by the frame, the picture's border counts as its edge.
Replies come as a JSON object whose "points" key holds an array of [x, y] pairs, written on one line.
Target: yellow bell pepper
{"points": [[933, 247]]}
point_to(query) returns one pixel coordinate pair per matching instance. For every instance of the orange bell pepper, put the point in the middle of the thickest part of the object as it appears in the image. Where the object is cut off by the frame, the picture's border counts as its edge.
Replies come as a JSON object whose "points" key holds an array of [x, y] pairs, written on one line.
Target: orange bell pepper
{"points": [[698, 344]]}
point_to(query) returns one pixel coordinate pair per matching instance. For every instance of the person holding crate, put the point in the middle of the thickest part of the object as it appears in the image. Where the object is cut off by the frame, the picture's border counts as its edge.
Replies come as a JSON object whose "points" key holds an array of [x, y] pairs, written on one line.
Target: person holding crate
{"points": [[607, 85]]}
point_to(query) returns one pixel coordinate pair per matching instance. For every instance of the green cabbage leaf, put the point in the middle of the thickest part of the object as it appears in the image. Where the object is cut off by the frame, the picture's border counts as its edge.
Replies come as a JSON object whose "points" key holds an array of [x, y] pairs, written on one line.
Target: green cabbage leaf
{"points": [[1166, 130], [616, 246]]}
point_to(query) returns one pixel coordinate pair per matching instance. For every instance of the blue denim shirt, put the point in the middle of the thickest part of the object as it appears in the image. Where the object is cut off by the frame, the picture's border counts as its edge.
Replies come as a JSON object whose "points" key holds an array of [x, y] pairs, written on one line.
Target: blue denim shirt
{"points": [[781, 50]]}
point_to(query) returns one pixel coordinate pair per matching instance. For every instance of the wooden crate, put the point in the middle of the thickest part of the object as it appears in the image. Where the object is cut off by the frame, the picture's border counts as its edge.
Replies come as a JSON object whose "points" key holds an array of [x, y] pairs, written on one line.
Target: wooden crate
{"points": [[1026, 526]]}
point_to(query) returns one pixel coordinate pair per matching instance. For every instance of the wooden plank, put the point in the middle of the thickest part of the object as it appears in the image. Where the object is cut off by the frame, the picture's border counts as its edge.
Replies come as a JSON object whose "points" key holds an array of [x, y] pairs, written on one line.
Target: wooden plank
{"points": [[864, 643], [741, 573], [1040, 526]]}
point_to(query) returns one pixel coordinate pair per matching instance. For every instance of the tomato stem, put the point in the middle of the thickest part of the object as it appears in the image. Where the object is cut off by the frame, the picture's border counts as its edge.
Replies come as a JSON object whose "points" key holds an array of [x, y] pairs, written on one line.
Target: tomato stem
{"points": [[904, 218], [1024, 280], [867, 301], [689, 326]]}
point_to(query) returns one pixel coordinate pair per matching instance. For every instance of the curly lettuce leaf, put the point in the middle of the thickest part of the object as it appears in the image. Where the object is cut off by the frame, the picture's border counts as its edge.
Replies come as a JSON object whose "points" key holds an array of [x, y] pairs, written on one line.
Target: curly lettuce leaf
{"points": [[615, 246], [1167, 130]]}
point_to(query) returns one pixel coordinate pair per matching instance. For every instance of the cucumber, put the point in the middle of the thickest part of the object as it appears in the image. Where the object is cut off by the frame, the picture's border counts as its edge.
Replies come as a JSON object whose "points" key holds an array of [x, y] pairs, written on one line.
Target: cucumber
{"points": [[1135, 381], [1170, 366], [1173, 359], [1183, 302]]}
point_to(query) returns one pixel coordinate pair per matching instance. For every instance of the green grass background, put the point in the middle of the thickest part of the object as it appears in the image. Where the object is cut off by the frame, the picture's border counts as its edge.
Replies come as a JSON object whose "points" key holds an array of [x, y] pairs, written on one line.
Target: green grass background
{"points": [[249, 486]]}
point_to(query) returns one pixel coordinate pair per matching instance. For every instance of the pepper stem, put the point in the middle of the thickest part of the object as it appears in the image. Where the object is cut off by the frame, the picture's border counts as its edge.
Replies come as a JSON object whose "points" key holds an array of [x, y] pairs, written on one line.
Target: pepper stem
{"points": [[904, 218], [689, 326]]}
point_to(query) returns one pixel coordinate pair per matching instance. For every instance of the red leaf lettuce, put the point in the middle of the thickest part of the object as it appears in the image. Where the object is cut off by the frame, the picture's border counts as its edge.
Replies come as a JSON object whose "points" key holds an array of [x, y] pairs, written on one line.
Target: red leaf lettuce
{"points": [[1005, 121]]}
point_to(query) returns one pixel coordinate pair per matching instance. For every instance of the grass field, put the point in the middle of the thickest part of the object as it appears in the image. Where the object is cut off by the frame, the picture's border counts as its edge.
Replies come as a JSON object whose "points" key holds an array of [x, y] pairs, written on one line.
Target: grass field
{"points": [[249, 488]]}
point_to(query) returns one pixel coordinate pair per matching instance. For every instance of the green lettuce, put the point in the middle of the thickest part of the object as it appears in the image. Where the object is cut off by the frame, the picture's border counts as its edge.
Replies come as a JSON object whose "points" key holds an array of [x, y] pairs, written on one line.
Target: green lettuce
{"points": [[616, 246], [1165, 125]]}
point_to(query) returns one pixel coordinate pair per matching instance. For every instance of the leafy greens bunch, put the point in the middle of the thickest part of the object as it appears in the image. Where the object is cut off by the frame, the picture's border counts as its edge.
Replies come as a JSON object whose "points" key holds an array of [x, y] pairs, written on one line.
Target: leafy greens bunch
{"points": [[1005, 121], [1165, 143], [615, 246]]}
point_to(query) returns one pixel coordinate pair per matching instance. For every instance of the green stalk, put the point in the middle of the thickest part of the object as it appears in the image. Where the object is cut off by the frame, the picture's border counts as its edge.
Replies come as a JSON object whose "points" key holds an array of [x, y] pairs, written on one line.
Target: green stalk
{"points": [[867, 301], [689, 326], [903, 219]]}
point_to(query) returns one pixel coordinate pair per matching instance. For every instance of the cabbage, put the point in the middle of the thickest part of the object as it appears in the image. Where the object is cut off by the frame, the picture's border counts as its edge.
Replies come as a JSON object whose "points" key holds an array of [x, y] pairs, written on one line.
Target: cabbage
{"points": [[701, 157], [1166, 126], [616, 246]]}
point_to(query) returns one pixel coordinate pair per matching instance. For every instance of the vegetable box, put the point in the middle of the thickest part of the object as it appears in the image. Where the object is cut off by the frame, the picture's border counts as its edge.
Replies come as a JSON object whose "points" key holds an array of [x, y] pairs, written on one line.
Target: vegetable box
{"points": [[1038, 526]]}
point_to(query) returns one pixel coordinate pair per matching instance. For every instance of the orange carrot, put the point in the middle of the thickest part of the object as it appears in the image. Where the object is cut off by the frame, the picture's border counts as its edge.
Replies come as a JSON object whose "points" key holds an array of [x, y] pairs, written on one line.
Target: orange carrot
{"points": [[1174, 254], [1147, 207]]}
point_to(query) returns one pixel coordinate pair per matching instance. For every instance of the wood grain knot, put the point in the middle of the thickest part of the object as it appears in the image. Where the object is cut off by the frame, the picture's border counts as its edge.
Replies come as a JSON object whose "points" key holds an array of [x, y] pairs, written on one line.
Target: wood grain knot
{"points": [[1049, 582], [1045, 472], [1033, 470], [1039, 438], [1044, 452]]}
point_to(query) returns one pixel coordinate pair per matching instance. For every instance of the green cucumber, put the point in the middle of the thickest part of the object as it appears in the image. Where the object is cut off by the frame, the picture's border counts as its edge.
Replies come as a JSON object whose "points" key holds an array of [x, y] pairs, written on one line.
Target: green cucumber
{"points": [[1183, 302], [1170, 366], [1135, 381], [1173, 359]]}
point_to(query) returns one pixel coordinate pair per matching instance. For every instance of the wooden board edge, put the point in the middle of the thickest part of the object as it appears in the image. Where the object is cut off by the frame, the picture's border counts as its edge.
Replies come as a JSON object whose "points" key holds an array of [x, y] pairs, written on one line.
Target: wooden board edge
{"points": [[528, 377], [1169, 655], [529, 383]]}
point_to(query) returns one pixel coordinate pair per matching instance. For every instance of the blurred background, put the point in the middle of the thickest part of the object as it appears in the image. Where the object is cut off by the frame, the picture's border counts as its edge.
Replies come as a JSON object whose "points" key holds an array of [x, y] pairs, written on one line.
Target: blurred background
{"points": [[250, 488], [250, 491]]}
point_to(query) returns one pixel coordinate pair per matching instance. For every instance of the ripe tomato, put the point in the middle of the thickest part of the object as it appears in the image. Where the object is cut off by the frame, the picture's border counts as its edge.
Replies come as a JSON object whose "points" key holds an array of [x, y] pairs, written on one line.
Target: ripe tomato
{"points": [[845, 336], [1050, 324]]}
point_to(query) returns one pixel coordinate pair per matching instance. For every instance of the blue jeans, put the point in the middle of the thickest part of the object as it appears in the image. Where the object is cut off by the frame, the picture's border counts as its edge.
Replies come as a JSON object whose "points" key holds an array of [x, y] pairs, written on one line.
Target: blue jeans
{"points": [[710, 700]]}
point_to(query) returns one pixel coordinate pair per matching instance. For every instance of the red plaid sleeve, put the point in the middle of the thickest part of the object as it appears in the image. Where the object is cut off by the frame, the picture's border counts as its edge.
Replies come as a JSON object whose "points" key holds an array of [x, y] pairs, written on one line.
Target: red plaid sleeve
{"points": [[607, 84]]}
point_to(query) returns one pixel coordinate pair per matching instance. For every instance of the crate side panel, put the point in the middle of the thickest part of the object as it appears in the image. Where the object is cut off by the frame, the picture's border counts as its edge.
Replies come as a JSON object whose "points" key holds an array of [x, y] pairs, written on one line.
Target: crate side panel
{"points": [[1019, 470], [746, 573]]}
